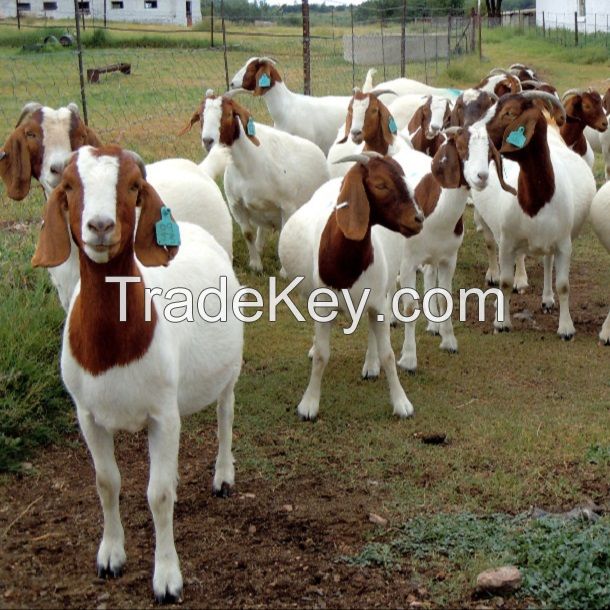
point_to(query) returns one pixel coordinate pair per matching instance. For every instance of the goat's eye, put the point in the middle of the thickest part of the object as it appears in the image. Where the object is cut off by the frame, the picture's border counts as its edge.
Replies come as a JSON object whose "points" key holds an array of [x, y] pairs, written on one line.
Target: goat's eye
{"points": [[30, 134], [67, 187], [381, 187], [133, 188]]}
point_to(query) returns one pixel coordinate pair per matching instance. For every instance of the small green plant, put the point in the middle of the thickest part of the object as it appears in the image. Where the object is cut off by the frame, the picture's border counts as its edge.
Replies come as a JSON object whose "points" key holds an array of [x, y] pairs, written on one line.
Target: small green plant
{"points": [[598, 454]]}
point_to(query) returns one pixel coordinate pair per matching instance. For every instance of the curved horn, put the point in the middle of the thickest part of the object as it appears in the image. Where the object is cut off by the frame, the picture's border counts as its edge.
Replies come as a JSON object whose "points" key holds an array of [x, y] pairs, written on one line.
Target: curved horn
{"points": [[453, 130], [551, 102], [233, 92], [518, 67], [379, 92], [136, 157], [571, 93], [363, 158], [73, 108], [265, 58], [28, 109], [496, 71]]}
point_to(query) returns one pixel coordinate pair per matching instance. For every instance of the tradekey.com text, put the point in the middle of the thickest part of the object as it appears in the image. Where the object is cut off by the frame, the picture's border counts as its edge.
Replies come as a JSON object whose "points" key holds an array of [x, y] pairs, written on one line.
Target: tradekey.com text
{"points": [[323, 304]]}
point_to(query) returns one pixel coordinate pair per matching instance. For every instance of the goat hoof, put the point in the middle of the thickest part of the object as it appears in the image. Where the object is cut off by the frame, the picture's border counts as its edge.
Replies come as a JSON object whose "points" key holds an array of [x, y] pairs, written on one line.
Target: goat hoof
{"points": [[567, 336], [311, 418], [224, 492], [106, 572], [492, 283], [548, 307], [169, 598], [502, 329]]}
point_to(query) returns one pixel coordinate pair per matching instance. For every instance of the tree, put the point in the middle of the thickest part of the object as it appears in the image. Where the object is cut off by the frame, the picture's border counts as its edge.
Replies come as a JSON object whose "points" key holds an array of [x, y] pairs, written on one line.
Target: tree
{"points": [[494, 8]]}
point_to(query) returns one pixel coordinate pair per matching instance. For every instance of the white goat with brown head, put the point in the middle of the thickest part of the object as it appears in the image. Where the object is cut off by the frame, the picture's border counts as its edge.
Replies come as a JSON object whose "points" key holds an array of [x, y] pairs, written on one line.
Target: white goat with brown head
{"points": [[124, 363]]}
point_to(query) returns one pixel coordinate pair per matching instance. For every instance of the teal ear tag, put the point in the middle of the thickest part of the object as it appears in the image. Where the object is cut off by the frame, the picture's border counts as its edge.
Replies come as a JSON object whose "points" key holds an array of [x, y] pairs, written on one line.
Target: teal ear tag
{"points": [[392, 125], [264, 81], [517, 138], [250, 127], [166, 229]]}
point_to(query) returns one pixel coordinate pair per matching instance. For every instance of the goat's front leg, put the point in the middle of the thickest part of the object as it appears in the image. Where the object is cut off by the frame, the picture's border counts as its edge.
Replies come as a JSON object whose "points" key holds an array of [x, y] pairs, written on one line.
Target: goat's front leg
{"points": [[563, 254], [507, 273], [548, 300], [111, 554], [408, 356], [371, 367], [402, 406], [310, 403], [446, 269], [224, 473], [431, 280], [520, 284], [163, 444]]}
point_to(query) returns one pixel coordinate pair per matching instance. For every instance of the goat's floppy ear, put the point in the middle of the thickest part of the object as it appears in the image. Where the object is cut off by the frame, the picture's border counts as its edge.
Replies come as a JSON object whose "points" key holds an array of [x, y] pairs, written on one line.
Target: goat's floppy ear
{"points": [[446, 166], [348, 124], [148, 251], [416, 120], [263, 79], [15, 166], [91, 138], [500, 168], [353, 208], [388, 124], [194, 119], [54, 245], [520, 132], [247, 122]]}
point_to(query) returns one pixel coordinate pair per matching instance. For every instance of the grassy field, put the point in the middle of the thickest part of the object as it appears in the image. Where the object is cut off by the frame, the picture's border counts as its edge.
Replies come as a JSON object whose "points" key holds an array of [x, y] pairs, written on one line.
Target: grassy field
{"points": [[526, 415]]}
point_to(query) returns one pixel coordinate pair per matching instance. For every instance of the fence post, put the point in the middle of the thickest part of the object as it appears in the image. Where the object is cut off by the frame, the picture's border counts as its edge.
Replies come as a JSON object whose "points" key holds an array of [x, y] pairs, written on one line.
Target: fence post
{"points": [[224, 41], [576, 28], [306, 48], [351, 9], [480, 22], [543, 26], [473, 30], [448, 39], [382, 45], [18, 14], [403, 39], [79, 49], [212, 23]]}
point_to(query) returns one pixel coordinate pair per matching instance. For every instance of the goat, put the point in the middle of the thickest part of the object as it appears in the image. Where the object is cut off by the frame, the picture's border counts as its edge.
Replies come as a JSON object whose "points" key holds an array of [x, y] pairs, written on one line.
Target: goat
{"points": [[600, 142], [500, 82], [369, 126], [271, 173], [553, 182], [600, 219], [314, 118], [583, 109], [523, 72], [538, 85], [426, 124], [407, 86], [41, 144], [461, 163], [146, 370], [337, 241]]}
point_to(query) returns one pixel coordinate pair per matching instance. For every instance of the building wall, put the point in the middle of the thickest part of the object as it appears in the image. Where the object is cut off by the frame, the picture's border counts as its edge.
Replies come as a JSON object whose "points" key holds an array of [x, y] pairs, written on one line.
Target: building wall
{"points": [[560, 14], [136, 11]]}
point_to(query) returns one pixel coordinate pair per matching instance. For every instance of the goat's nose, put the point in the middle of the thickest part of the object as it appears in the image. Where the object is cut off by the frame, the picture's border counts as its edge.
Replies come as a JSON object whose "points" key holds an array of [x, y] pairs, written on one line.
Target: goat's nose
{"points": [[57, 169], [208, 143], [483, 176], [419, 217], [356, 132], [605, 124], [101, 225]]}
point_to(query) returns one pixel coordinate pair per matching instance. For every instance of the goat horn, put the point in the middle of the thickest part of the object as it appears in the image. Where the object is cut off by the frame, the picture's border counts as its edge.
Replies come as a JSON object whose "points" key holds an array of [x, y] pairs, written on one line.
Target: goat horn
{"points": [[73, 108], [273, 61], [356, 90], [551, 101], [28, 109], [518, 66], [379, 92], [136, 157], [209, 93], [233, 92], [497, 71], [363, 158], [571, 93], [453, 130]]}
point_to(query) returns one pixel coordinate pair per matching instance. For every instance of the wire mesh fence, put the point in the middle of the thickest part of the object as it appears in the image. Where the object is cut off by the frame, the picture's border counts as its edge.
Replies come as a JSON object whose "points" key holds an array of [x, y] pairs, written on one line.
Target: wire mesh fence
{"points": [[168, 75]]}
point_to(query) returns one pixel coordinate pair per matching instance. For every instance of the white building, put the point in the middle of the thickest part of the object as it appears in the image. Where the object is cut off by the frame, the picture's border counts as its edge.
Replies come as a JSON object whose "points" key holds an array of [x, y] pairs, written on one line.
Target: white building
{"points": [[591, 15], [181, 12]]}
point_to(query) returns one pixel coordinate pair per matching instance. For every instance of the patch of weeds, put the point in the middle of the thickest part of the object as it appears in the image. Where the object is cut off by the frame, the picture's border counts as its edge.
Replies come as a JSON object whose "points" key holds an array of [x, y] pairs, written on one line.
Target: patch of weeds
{"points": [[564, 563], [598, 454]]}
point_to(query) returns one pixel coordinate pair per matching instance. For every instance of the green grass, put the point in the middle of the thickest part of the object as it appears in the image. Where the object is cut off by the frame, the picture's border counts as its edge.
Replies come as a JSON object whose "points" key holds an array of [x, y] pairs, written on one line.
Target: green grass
{"points": [[564, 564], [526, 415]]}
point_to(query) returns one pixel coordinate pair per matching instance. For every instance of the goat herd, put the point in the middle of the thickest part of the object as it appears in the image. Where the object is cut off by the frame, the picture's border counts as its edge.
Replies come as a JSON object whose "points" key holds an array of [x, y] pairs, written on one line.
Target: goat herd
{"points": [[364, 190]]}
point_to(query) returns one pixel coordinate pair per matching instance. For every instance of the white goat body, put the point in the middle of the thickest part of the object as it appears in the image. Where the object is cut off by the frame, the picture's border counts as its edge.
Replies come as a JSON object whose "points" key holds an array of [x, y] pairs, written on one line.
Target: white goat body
{"points": [[600, 219]]}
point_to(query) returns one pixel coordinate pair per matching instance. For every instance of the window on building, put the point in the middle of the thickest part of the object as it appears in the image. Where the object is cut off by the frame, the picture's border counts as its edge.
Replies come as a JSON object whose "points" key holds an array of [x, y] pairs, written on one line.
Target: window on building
{"points": [[49, 6], [582, 8], [150, 4], [83, 7], [117, 5], [24, 6]]}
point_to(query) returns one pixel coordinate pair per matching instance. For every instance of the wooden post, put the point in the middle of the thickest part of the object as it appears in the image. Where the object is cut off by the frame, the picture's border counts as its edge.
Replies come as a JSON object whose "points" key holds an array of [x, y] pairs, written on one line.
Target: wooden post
{"points": [[18, 15], [105, 8], [403, 39], [543, 26], [212, 23], [224, 41], [382, 42], [306, 48], [448, 39], [79, 49], [480, 21], [576, 28], [351, 8]]}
